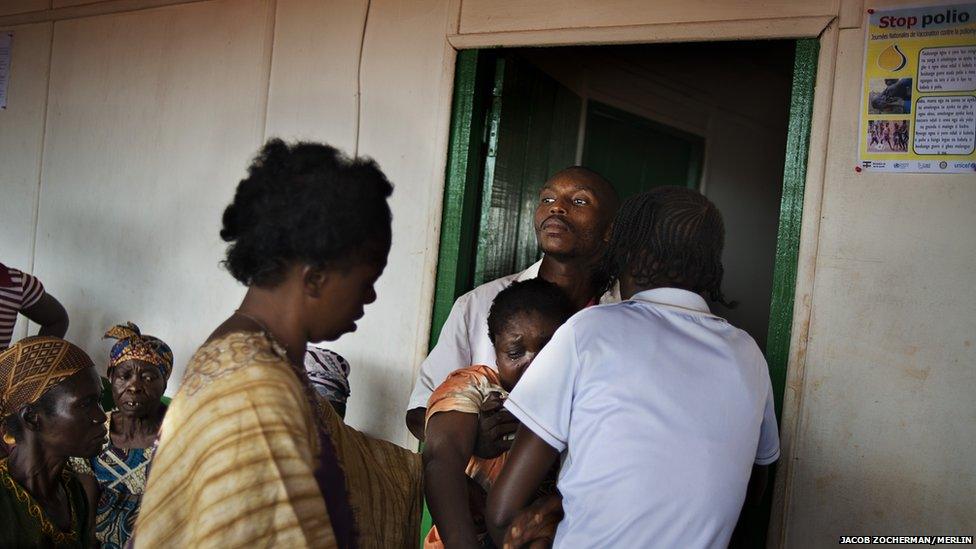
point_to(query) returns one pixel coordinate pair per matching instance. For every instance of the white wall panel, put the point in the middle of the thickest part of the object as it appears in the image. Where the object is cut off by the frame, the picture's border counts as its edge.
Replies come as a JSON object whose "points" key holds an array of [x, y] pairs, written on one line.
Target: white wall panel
{"points": [[153, 117], [404, 127], [21, 141], [10, 7], [519, 15], [314, 71]]}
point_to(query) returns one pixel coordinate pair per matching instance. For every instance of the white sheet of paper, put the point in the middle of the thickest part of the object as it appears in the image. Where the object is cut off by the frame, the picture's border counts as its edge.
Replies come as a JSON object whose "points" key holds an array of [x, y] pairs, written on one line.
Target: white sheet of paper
{"points": [[6, 38]]}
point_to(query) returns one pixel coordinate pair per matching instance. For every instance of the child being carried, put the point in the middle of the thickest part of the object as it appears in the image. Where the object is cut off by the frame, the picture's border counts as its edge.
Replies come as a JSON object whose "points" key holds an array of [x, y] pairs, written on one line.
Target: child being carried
{"points": [[521, 321]]}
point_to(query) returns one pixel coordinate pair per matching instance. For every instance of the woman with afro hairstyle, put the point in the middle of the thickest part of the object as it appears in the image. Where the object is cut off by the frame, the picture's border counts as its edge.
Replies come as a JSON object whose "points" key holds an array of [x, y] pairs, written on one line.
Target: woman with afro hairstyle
{"points": [[248, 453]]}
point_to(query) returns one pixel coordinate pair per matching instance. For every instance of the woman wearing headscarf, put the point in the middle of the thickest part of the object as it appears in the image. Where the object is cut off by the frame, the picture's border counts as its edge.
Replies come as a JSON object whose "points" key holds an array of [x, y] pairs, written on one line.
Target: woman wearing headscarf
{"points": [[138, 370], [51, 410], [328, 372], [249, 455]]}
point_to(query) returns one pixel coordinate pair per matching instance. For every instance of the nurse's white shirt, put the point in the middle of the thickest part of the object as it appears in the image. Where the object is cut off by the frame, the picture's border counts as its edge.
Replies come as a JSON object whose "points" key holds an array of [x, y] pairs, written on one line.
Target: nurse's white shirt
{"points": [[661, 409]]}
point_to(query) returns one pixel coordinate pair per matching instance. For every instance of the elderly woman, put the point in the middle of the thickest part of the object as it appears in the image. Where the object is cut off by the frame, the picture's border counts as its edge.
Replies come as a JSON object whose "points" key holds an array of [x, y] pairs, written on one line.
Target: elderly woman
{"points": [[51, 411], [248, 454], [138, 370]]}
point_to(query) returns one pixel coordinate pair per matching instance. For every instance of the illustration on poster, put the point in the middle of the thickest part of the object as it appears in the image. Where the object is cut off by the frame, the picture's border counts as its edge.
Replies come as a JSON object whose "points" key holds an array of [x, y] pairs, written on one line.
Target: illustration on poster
{"points": [[890, 96], [892, 59]]}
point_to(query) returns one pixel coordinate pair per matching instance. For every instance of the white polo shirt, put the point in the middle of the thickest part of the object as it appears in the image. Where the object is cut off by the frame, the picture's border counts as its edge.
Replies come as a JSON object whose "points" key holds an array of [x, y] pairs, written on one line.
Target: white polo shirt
{"points": [[464, 338], [661, 409]]}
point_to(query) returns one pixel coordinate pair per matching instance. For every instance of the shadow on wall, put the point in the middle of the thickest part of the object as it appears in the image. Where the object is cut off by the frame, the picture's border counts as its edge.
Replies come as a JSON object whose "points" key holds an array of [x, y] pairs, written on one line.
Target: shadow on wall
{"points": [[137, 274]]}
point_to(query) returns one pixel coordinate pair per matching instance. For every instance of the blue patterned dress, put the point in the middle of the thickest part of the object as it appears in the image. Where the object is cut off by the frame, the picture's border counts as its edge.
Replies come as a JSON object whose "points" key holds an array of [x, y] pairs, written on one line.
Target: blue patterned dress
{"points": [[121, 475]]}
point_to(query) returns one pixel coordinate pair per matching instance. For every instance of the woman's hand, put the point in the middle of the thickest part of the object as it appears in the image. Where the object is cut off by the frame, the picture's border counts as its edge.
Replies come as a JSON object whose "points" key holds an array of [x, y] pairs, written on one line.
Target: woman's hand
{"points": [[535, 527]]}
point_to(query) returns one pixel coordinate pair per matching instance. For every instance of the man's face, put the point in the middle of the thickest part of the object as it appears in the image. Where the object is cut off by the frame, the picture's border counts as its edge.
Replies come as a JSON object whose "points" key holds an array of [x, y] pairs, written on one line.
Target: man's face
{"points": [[573, 216]]}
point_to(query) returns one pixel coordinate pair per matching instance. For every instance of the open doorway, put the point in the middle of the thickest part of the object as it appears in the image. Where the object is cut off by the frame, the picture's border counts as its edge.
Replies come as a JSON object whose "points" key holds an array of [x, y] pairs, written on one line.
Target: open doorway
{"points": [[730, 119]]}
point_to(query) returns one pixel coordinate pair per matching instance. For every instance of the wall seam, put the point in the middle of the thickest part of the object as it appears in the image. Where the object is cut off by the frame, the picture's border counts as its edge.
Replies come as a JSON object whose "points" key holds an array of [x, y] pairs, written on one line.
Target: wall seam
{"points": [[455, 25], [40, 158], [270, 35], [359, 79]]}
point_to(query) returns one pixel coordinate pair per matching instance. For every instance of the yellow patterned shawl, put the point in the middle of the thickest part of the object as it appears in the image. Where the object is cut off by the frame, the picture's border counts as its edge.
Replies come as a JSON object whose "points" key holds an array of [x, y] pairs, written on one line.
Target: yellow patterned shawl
{"points": [[237, 454], [247, 436]]}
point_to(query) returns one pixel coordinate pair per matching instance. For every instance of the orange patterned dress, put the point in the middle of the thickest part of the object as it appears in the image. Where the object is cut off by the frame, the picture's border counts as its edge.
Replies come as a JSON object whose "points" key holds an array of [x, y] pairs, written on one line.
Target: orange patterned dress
{"points": [[465, 390]]}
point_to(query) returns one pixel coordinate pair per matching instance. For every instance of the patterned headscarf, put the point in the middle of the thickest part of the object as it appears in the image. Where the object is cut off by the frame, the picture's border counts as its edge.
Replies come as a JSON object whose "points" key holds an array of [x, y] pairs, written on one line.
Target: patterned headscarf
{"points": [[328, 372], [132, 345], [32, 366]]}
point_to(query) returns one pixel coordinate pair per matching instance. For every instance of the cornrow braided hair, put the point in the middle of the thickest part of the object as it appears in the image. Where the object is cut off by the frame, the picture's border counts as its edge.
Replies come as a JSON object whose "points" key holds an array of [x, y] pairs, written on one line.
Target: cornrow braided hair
{"points": [[668, 236]]}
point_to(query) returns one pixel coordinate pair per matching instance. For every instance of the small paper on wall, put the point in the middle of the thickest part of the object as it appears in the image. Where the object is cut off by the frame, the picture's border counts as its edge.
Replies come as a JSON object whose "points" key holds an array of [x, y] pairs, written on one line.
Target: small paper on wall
{"points": [[918, 102], [6, 39]]}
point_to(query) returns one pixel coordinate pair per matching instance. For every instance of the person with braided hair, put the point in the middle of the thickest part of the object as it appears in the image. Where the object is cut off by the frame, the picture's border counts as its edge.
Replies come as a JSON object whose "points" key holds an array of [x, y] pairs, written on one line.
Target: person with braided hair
{"points": [[662, 410]]}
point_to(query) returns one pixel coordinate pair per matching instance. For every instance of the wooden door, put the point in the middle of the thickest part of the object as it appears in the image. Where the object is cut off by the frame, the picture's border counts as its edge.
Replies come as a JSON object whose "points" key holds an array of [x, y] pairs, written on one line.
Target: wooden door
{"points": [[532, 133], [636, 153]]}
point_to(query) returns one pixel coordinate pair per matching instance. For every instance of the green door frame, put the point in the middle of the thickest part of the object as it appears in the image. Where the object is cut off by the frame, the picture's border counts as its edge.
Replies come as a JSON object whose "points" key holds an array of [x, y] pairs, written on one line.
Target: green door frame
{"points": [[462, 191], [462, 186], [791, 215]]}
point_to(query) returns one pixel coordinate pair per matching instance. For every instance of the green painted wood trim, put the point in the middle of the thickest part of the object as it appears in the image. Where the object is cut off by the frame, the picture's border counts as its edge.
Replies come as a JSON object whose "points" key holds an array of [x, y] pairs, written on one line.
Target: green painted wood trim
{"points": [[791, 215], [488, 176], [459, 219], [460, 196]]}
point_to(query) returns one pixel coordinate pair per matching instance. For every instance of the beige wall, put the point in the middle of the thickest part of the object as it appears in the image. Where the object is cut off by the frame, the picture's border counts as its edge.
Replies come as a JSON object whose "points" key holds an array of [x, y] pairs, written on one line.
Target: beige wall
{"points": [[145, 139], [151, 118], [154, 113], [21, 140], [479, 16], [886, 435]]}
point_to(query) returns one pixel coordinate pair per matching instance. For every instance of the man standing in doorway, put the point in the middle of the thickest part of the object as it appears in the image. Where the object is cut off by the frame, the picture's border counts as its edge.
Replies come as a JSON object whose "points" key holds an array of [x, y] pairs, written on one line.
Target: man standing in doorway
{"points": [[572, 222]]}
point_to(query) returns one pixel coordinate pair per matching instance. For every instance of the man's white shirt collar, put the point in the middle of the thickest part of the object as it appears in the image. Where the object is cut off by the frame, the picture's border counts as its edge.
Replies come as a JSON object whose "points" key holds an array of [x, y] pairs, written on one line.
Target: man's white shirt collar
{"points": [[612, 296]]}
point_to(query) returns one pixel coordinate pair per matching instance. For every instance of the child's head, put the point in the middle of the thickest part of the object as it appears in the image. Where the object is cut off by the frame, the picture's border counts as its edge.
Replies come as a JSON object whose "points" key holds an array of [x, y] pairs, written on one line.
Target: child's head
{"points": [[667, 237], [521, 321]]}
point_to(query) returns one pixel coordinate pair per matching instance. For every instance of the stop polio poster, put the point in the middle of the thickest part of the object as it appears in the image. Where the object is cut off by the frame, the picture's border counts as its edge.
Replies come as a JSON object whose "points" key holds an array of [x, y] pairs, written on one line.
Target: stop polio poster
{"points": [[918, 103]]}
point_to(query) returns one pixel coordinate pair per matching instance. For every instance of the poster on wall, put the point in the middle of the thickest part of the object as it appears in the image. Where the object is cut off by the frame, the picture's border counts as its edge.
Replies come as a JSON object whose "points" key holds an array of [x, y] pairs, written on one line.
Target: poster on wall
{"points": [[918, 99], [6, 40]]}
